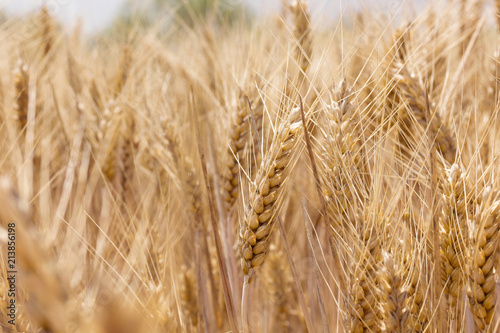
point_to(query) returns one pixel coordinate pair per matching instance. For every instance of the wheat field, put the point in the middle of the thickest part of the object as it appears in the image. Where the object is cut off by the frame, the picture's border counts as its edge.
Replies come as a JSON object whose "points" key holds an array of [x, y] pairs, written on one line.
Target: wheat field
{"points": [[271, 174]]}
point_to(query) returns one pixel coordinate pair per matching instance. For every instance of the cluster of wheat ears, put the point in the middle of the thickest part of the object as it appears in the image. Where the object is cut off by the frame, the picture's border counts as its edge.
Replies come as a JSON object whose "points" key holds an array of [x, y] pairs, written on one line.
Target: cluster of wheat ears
{"points": [[281, 175]]}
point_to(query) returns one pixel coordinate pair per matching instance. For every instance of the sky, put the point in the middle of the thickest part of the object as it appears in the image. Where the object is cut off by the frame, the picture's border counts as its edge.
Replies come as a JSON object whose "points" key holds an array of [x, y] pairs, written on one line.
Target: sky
{"points": [[97, 14]]}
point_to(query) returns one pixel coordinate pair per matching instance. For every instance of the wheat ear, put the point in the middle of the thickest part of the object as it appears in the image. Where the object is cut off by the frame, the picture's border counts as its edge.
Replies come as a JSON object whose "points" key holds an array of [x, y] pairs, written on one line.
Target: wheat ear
{"points": [[392, 295], [302, 33], [454, 233], [341, 157], [411, 92], [481, 274], [363, 312], [264, 201], [239, 137], [21, 82], [123, 70], [47, 30], [189, 296]]}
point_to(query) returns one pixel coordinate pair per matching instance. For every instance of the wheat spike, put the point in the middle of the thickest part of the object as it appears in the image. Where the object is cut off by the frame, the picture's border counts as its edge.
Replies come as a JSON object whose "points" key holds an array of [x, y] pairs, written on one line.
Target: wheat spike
{"points": [[107, 134], [264, 201], [302, 33], [413, 97], [188, 295], [279, 284], [416, 311], [238, 140], [125, 159], [21, 82], [454, 234], [481, 283], [364, 295], [392, 295], [341, 157], [47, 30], [184, 169], [123, 69]]}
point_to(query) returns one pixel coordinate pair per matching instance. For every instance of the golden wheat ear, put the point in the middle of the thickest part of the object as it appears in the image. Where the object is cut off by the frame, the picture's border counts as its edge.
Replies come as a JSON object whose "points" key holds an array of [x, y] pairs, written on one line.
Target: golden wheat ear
{"points": [[302, 34], [341, 158], [393, 296], [264, 201], [239, 139], [414, 112], [481, 283], [457, 208], [21, 82], [497, 13], [47, 30]]}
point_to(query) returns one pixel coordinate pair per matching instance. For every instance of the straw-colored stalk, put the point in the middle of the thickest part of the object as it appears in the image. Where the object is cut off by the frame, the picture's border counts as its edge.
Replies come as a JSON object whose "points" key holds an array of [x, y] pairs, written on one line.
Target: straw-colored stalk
{"points": [[21, 82]]}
